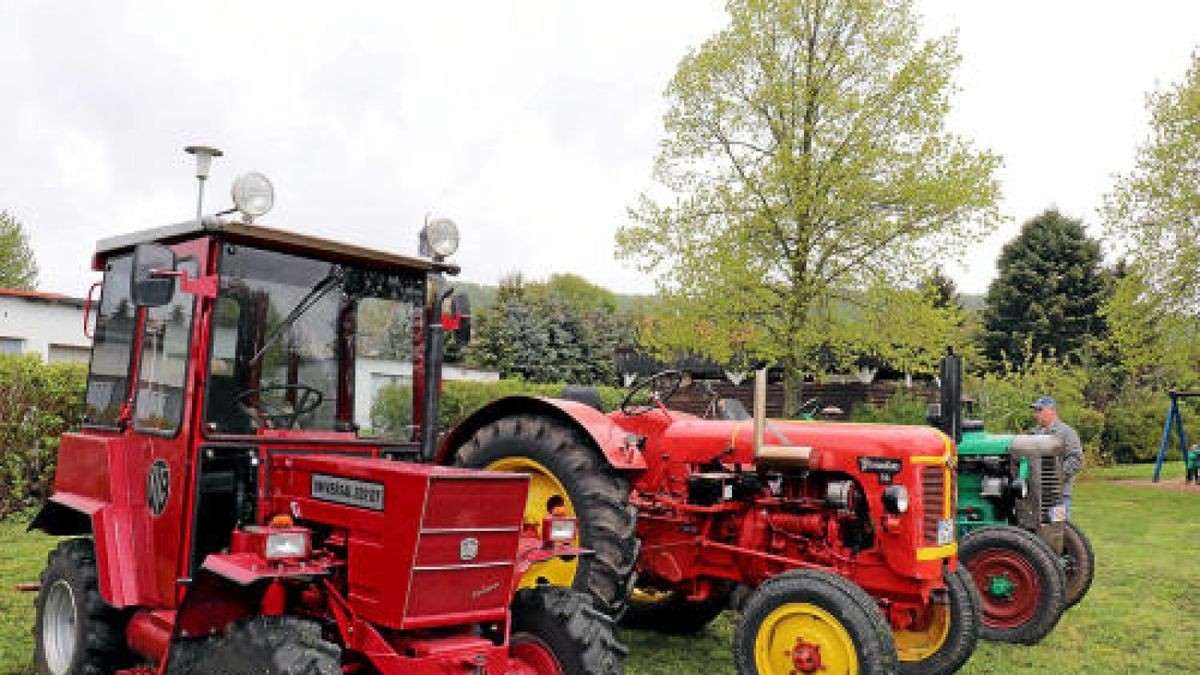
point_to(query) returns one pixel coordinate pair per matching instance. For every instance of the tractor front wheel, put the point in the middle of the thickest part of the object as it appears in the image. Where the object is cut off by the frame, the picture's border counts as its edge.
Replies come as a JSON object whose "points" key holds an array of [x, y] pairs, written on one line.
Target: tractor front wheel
{"points": [[265, 645], [812, 622], [950, 630], [556, 632], [75, 631], [1079, 563], [1019, 581], [568, 473]]}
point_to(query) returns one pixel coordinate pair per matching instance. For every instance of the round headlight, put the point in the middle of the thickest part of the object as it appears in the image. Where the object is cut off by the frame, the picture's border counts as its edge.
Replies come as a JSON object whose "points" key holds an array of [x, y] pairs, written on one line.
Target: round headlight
{"points": [[441, 235], [895, 499], [253, 194]]}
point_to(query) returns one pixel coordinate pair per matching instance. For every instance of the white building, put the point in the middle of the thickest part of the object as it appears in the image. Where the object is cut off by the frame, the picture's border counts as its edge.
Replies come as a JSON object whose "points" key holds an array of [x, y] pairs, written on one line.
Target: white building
{"points": [[47, 324]]}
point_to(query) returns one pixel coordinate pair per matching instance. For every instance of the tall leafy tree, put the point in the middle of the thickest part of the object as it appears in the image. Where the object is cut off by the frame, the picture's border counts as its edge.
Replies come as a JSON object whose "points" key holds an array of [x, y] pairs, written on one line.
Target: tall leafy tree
{"points": [[805, 159], [1047, 296], [1153, 213], [18, 268]]}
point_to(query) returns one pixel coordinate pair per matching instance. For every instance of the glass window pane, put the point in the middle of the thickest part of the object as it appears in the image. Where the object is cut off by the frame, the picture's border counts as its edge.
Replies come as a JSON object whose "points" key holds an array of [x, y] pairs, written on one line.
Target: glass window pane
{"points": [[384, 395], [162, 373], [112, 347]]}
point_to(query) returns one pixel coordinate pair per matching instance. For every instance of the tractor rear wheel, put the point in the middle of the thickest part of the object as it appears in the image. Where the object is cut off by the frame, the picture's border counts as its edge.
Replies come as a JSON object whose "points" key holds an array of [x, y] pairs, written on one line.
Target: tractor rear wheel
{"points": [[951, 631], [569, 472], [264, 645], [1019, 580], [671, 612], [1079, 563], [556, 632], [812, 622], [75, 631]]}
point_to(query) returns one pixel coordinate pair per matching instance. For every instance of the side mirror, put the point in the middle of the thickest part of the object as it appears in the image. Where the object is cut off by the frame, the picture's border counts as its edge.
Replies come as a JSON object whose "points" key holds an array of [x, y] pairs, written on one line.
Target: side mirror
{"points": [[459, 319], [153, 275]]}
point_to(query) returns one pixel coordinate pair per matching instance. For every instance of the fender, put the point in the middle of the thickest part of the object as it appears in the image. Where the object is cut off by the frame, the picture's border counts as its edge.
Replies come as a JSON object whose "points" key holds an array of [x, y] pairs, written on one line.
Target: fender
{"points": [[605, 434]]}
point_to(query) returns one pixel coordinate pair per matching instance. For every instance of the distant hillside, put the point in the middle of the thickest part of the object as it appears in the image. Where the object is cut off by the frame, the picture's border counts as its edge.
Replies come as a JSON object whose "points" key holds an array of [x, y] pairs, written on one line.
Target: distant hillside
{"points": [[974, 302], [483, 296]]}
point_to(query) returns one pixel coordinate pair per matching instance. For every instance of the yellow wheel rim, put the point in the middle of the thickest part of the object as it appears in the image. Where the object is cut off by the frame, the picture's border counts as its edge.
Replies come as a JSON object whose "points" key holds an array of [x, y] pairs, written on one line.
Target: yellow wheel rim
{"points": [[544, 490], [918, 645], [801, 638]]}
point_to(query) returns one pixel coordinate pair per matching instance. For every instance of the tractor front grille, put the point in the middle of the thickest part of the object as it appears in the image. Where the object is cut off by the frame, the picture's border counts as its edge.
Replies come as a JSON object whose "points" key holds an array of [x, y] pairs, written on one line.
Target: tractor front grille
{"points": [[933, 496], [1050, 480]]}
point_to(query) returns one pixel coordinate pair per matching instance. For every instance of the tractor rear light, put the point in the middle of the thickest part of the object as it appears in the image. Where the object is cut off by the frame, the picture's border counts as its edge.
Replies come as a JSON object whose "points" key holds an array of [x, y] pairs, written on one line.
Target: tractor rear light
{"points": [[559, 529], [285, 544], [895, 499]]}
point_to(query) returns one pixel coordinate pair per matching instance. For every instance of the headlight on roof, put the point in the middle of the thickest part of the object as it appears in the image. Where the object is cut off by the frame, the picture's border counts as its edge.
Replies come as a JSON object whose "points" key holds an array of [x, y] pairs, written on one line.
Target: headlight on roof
{"points": [[253, 194], [439, 238]]}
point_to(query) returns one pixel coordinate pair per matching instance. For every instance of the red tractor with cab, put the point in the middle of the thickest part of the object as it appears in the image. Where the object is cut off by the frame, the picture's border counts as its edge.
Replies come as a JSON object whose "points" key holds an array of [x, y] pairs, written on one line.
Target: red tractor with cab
{"points": [[228, 514], [835, 541]]}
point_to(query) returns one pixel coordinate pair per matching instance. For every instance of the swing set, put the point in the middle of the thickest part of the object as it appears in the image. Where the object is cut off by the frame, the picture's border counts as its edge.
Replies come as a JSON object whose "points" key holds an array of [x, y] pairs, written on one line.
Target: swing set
{"points": [[1191, 458]]}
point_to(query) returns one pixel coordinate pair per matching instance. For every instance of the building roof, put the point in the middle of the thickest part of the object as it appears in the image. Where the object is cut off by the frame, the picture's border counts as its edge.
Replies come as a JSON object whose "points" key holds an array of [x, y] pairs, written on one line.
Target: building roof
{"points": [[42, 296]]}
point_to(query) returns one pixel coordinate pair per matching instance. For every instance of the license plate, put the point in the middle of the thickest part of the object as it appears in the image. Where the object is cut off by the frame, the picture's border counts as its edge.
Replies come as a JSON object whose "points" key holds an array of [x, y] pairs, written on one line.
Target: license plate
{"points": [[1058, 513], [945, 532]]}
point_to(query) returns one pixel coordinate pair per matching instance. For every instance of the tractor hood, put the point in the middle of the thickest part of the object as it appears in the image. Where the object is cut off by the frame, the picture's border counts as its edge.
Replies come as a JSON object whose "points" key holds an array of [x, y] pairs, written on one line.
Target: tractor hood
{"points": [[826, 445]]}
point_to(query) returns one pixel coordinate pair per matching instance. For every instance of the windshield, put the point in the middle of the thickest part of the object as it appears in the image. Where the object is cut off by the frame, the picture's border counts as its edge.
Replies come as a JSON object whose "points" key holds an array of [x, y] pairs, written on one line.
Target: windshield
{"points": [[285, 334]]}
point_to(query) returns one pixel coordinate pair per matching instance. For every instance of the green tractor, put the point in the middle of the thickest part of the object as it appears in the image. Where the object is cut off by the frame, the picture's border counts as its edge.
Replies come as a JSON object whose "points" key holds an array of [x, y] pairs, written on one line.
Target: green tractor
{"points": [[1028, 561]]}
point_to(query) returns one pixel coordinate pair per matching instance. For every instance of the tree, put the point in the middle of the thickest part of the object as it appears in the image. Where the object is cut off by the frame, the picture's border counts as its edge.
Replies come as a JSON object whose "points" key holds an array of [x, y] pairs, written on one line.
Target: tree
{"points": [[941, 289], [563, 330], [805, 159], [1047, 296], [1153, 213], [18, 268]]}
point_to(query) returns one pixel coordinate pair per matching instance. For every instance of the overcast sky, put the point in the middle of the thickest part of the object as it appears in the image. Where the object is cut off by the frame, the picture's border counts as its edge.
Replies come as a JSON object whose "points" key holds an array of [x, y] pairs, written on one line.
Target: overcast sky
{"points": [[532, 124]]}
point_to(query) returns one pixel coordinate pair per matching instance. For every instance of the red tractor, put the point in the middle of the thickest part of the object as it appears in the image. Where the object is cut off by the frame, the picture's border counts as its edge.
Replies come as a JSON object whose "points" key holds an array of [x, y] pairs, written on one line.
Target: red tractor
{"points": [[836, 541], [230, 517]]}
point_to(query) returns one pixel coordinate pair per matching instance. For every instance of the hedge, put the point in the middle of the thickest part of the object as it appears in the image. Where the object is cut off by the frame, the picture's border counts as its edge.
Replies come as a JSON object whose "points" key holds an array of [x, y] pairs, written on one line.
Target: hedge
{"points": [[38, 402], [391, 414]]}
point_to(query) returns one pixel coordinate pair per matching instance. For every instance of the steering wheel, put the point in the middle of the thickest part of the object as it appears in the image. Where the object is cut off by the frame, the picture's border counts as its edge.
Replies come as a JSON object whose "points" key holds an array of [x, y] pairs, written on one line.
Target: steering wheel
{"points": [[282, 414], [657, 389]]}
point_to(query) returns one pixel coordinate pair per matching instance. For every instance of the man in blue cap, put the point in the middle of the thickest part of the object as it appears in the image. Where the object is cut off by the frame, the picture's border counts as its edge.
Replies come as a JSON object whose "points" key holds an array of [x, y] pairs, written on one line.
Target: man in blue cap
{"points": [[1045, 409]]}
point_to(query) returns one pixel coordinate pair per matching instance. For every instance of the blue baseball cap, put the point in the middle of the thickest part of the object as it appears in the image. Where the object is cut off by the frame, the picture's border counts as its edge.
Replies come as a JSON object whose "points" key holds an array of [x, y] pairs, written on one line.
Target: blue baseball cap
{"points": [[1043, 402]]}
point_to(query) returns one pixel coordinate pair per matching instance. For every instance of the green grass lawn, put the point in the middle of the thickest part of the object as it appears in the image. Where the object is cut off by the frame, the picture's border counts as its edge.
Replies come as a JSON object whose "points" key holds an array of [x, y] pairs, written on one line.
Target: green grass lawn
{"points": [[1142, 615]]}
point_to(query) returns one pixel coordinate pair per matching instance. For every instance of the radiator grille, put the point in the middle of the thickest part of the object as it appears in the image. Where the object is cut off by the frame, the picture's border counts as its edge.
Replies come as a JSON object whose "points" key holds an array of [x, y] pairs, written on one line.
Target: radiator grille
{"points": [[1050, 479], [933, 492]]}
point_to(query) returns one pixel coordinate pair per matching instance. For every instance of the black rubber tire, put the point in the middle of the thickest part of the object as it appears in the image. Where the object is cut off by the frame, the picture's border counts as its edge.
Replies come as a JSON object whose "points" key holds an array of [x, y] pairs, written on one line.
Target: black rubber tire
{"points": [[563, 622], [98, 632], [264, 645], [965, 626], [1079, 564], [600, 497], [1042, 563], [674, 614], [849, 605]]}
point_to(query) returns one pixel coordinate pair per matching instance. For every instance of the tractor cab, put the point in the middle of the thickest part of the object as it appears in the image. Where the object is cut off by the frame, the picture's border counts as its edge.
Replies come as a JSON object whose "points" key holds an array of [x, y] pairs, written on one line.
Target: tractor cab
{"points": [[226, 486]]}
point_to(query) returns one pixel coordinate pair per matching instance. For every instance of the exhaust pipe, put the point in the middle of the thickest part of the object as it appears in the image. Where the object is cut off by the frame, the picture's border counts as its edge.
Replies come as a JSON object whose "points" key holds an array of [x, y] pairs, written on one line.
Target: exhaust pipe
{"points": [[791, 456]]}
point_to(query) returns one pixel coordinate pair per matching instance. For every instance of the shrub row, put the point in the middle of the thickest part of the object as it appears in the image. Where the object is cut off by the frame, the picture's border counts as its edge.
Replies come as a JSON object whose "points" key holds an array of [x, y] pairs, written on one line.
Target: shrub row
{"points": [[391, 413], [37, 403]]}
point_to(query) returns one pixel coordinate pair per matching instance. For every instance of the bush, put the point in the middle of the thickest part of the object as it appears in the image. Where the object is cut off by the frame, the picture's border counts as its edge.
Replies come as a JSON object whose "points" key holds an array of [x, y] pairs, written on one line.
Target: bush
{"points": [[1134, 425], [902, 408], [1004, 400], [391, 413], [40, 402]]}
